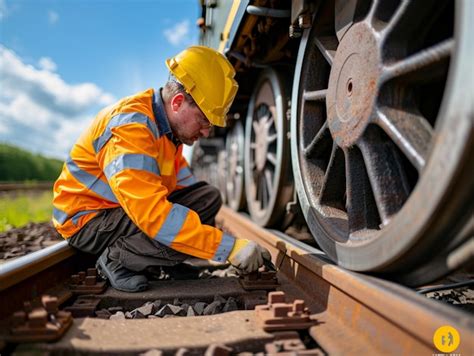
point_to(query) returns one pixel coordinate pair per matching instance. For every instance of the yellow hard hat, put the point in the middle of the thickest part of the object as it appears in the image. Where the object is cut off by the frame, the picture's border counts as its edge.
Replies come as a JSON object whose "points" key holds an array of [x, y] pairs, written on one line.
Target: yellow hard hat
{"points": [[209, 78]]}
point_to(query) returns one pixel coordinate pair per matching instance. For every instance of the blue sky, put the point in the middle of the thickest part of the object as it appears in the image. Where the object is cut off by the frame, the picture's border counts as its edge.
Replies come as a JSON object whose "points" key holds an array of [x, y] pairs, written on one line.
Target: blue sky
{"points": [[61, 61]]}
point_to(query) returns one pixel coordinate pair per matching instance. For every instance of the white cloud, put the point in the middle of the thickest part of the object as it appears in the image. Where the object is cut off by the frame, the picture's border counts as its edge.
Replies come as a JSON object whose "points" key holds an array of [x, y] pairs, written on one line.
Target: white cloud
{"points": [[53, 17], [69, 131], [47, 64], [178, 34], [47, 88], [39, 110]]}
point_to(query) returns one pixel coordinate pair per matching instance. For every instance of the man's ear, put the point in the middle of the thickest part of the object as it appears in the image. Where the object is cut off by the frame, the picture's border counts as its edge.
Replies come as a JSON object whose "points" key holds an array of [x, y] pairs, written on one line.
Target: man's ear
{"points": [[177, 101]]}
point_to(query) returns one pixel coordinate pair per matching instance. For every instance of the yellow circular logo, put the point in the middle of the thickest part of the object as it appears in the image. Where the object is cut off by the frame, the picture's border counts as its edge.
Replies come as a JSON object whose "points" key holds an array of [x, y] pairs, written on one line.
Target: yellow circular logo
{"points": [[446, 339]]}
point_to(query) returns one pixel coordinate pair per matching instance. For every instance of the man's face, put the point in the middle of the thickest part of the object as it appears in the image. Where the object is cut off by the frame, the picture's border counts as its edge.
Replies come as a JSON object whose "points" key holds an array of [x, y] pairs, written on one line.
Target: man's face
{"points": [[187, 121]]}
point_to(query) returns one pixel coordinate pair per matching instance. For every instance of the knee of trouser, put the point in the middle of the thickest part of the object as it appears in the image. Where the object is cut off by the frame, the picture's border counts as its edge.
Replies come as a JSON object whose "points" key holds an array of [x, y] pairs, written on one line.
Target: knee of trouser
{"points": [[215, 197]]}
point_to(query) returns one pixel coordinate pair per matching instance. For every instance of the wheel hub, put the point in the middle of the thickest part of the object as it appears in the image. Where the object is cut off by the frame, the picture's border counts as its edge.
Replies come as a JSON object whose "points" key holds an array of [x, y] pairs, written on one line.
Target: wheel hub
{"points": [[353, 85]]}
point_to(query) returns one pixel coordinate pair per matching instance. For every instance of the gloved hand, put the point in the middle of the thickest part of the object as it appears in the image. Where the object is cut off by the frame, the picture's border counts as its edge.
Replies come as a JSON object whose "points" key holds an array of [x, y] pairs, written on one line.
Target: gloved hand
{"points": [[247, 255]]}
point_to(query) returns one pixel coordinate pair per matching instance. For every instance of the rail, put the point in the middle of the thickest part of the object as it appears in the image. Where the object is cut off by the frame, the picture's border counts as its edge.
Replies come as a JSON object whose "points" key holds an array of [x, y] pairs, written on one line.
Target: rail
{"points": [[366, 313], [355, 313], [4, 187], [14, 271]]}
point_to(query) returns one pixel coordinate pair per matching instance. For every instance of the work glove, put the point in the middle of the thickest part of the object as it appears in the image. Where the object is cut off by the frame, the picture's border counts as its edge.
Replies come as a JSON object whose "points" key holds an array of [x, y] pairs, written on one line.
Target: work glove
{"points": [[248, 256]]}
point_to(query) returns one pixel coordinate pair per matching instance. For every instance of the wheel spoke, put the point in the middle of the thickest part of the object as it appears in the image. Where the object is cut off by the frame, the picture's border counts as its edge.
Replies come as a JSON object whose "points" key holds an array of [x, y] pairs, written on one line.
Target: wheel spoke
{"points": [[263, 192], [327, 46], [410, 132], [386, 173], [346, 13], [360, 205], [421, 61], [256, 127], [269, 181], [272, 138], [334, 185], [410, 17], [320, 143], [271, 158], [316, 95], [267, 121]]}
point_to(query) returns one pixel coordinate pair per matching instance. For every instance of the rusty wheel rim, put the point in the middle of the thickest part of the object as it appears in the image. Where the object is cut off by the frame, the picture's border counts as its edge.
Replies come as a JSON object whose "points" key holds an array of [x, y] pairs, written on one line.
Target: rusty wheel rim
{"points": [[364, 130], [267, 177], [235, 162]]}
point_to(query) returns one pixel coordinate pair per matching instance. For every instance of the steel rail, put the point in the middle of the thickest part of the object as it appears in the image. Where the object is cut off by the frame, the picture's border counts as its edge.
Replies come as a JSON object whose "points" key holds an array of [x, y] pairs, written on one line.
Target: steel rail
{"points": [[14, 271], [4, 187], [357, 313]]}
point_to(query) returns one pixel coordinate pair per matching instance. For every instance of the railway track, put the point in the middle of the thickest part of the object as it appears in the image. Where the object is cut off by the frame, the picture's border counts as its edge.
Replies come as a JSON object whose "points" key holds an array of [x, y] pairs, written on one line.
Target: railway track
{"points": [[7, 187], [350, 313]]}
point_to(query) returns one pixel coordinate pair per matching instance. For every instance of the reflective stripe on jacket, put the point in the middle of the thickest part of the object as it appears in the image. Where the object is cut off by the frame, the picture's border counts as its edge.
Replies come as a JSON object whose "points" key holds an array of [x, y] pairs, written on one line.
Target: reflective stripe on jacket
{"points": [[127, 158]]}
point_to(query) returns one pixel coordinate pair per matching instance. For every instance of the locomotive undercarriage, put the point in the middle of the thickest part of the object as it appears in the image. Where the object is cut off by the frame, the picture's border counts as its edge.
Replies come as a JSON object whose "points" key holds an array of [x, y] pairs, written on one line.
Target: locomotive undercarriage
{"points": [[358, 128]]}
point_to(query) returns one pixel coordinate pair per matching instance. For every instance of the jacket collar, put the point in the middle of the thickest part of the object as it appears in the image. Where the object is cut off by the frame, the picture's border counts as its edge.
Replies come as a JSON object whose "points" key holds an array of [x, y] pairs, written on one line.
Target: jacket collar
{"points": [[161, 118]]}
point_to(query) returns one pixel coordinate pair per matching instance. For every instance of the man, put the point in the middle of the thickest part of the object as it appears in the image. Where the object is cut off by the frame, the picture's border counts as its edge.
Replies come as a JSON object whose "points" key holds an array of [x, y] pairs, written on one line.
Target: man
{"points": [[127, 194]]}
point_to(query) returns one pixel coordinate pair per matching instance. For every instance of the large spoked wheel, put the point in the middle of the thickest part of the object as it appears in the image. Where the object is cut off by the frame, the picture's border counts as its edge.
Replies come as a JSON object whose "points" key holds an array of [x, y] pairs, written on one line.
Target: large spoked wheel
{"points": [[221, 169], [235, 166], [268, 180], [382, 133]]}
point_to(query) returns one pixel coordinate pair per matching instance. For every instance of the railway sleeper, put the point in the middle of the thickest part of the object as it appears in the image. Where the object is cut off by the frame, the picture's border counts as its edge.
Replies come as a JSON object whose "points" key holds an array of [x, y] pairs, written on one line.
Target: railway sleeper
{"points": [[215, 316]]}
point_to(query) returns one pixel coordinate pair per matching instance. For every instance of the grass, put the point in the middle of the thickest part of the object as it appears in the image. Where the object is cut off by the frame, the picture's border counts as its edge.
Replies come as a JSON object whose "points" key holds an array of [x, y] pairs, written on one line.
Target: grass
{"points": [[19, 208]]}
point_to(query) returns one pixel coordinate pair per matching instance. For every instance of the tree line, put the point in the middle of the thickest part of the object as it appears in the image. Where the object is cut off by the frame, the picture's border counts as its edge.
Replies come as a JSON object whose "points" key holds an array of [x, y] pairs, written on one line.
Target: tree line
{"points": [[17, 165]]}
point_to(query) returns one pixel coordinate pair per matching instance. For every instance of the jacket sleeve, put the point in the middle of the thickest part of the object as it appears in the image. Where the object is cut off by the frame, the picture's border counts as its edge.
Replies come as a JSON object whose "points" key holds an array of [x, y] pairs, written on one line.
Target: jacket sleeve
{"points": [[128, 160], [184, 176]]}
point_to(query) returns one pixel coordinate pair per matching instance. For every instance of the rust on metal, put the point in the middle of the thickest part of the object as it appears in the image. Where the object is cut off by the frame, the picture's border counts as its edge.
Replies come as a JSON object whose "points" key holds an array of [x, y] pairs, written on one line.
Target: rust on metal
{"points": [[83, 307], [86, 283], [289, 343], [43, 323], [266, 280], [279, 315], [347, 305]]}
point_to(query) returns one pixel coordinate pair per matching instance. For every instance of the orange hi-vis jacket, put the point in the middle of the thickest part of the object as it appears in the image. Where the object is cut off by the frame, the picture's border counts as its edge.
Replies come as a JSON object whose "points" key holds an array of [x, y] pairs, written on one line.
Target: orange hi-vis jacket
{"points": [[128, 158]]}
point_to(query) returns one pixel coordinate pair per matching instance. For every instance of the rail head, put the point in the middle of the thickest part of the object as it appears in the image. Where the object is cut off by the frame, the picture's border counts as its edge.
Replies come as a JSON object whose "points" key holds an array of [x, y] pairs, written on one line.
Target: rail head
{"points": [[19, 269], [387, 304]]}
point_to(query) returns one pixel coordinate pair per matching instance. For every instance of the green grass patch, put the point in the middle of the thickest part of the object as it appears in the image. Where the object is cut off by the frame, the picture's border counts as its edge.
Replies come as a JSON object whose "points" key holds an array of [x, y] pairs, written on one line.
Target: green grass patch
{"points": [[19, 208]]}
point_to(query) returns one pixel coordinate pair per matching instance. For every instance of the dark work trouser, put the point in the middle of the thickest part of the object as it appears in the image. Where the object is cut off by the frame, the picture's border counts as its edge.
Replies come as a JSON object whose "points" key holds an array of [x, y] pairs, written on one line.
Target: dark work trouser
{"points": [[126, 243]]}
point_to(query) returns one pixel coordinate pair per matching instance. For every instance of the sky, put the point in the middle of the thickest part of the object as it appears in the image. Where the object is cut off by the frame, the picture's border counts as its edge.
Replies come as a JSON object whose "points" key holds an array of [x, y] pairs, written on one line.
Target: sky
{"points": [[61, 61]]}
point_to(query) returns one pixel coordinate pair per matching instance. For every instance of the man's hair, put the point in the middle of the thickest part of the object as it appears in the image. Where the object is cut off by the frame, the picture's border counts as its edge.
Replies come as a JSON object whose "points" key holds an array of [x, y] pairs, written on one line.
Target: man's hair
{"points": [[173, 87]]}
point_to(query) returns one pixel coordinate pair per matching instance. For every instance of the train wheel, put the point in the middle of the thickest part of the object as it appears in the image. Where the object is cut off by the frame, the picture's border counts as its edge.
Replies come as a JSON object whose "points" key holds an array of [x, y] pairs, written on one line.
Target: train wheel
{"points": [[221, 170], [268, 180], [235, 166], [381, 133]]}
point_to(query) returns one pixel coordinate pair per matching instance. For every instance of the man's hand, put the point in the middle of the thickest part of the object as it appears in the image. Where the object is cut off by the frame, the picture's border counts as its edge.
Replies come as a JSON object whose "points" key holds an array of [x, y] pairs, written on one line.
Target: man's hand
{"points": [[248, 256]]}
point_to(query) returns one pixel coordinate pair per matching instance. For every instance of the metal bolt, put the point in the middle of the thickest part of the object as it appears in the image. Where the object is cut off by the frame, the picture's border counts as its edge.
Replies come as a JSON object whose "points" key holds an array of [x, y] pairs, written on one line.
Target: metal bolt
{"points": [[276, 297], [295, 31], [304, 21], [50, 303]]}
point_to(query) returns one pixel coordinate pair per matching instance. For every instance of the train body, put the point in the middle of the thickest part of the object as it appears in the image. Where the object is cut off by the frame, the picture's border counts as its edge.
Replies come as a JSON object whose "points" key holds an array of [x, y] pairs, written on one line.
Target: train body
{"points": [[353, 119]]}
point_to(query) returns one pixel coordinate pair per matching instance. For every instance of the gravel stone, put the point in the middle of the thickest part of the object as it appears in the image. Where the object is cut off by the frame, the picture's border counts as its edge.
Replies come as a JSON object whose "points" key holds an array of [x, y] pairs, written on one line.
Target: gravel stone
{"points": [[230, 305], [117, 316], [199, 307], [147, 309], [165, 310], [191, 311], [32, 237], [213, 308], [177, 310]]}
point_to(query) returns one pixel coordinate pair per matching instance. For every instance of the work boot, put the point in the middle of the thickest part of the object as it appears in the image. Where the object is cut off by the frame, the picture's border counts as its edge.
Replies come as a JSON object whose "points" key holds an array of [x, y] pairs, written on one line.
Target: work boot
{"points": [[119, 277]]}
